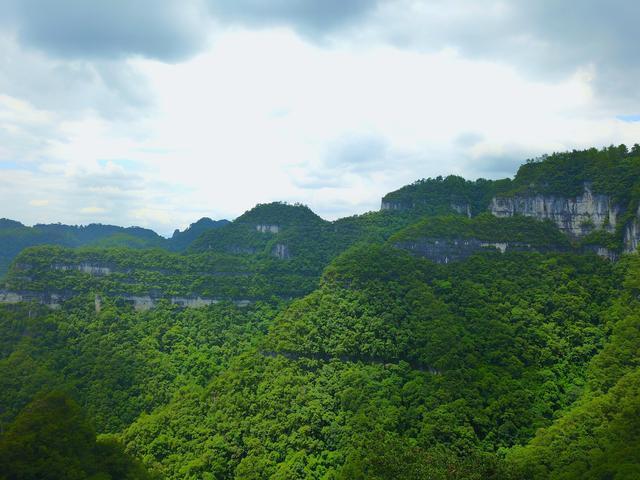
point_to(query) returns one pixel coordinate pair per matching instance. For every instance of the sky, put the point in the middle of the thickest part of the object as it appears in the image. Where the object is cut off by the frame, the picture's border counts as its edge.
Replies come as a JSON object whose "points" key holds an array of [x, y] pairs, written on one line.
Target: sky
{"points": [[138, 112]]}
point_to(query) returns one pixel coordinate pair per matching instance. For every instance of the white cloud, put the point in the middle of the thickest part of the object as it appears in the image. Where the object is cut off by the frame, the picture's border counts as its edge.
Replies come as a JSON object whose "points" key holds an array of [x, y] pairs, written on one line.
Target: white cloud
{"points": [[265, 115]]}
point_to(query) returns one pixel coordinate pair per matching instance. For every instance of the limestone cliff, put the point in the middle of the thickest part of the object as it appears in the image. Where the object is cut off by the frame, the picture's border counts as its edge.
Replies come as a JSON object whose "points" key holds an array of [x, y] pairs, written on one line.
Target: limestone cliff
{"points": [[281, 251], [265, 228], [138, 302], [442, 250], [388, 205], [575, 216], [632, 234], [89, 268]]}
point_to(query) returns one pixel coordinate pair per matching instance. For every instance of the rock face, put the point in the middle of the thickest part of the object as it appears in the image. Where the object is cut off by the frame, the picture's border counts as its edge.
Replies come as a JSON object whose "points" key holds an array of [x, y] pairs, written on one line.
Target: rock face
{"points": [[602, 252], [268, 228], [147, 302], [52, 300], [574, 216], [391, 206], [139, 302], [445, 250], [85, 268], [632, 234], [281, 251], [463, 208]]}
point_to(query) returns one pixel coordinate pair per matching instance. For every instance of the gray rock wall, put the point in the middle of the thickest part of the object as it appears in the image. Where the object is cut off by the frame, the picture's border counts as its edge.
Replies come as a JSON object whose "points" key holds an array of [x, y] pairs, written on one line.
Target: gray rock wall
{"points": [[86, 268], [268, 228], [139, 302], [445, 250], [632, 234], [574, 216]]}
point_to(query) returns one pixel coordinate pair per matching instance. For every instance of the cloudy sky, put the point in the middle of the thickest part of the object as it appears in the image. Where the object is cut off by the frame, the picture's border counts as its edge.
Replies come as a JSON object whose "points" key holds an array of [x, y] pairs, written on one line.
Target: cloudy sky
{"points": [[140, 112]]}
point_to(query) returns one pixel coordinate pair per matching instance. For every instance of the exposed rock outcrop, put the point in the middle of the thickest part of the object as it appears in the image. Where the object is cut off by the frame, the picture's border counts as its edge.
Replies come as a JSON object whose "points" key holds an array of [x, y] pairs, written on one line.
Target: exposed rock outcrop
{"points": [[392, 206], [632, 234], [147, 302], [449, 250], [139, 302], [281, 251], [462, 208], [52, 300], [268, 228], [602, 252], [85, 268], [575, 216]]}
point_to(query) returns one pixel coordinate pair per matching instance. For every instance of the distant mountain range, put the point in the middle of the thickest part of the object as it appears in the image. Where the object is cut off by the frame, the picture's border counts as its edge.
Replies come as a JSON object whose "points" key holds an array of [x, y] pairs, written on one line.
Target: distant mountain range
{"points": [[15, 237]]}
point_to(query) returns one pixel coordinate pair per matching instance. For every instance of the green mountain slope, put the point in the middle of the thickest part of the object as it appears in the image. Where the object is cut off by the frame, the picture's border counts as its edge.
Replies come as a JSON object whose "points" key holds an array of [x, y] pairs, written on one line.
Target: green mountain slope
{"points": [[359, 354]]}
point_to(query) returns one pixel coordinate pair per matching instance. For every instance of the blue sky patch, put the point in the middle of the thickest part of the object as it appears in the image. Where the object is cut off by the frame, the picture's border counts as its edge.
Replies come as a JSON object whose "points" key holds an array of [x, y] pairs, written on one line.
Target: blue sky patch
{"points": [[629, 118]]}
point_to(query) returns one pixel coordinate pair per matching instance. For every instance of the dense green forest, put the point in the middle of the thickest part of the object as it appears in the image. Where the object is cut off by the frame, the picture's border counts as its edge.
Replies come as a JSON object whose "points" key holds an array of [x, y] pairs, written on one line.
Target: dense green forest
{"points": [[352, 359], [488, 228], [449, 367], [15, 237], [614, 171]]}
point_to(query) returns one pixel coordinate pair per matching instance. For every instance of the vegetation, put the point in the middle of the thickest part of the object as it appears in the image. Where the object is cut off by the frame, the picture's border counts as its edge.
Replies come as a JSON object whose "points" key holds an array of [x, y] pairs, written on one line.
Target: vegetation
{"points": [[488, 228], [614, 171], [231, 262], [452, 194], [15, 237], [355, 359], [51, 438], [394, 366], [180, 240]]}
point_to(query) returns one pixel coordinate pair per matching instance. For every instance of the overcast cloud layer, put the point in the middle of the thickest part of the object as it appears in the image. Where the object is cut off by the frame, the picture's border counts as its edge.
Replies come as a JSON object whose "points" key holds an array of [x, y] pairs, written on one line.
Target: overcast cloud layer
{"points": [[157, 113]]}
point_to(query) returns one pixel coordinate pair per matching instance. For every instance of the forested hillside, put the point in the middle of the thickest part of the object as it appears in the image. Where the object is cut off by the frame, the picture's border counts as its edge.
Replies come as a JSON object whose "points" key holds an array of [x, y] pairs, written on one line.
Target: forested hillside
{"points": [[336, 349], [15, 237]]}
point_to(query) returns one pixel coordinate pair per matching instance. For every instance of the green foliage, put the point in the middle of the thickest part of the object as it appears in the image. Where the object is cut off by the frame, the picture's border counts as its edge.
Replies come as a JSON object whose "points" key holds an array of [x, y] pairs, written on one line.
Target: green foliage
{"points": [[279, 213], [357, 360], [52, 439], [14, 237], [231, 262], [441, 196], [602, 238], [156, 272], [612, 170], [383, 457], [599, 437], [180, 240], [393, 366], [118, 362], [488, 228]]}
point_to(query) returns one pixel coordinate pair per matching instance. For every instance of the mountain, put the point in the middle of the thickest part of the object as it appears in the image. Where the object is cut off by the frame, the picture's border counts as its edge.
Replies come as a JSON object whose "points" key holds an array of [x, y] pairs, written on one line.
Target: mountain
{"points": [[15, 237], [180, 240], [591, 195], [467, 330]]}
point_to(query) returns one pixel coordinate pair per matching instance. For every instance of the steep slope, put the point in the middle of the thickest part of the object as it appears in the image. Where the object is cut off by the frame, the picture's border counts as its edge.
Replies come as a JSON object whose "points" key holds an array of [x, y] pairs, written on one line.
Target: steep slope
{"points": [[598, 437], [15, 237], [52, 438], [451, 238], [180, 240], [144, 277], [253, 232], [287, 264], [352, 355], [441, 196], [591, 195], [443, 364], [581, 191]]}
